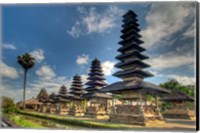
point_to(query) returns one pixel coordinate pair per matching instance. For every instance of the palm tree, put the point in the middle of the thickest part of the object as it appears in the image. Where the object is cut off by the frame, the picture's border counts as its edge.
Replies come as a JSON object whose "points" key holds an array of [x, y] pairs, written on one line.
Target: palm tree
{"points": [[27, 62]]}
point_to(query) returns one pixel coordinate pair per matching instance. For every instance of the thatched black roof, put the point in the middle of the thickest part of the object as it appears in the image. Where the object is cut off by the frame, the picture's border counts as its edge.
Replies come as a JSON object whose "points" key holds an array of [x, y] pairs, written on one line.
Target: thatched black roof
{"points": [[135, 84], [177, 97], [97, 95]]}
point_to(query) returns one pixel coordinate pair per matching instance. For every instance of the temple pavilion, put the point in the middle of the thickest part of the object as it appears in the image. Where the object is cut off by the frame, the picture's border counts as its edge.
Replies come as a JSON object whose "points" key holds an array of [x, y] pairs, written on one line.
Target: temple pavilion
{"points": [[42, 97], [97, 103], [52, 100], [77, 91], [133, 89], [179, 108], [63, 99]]}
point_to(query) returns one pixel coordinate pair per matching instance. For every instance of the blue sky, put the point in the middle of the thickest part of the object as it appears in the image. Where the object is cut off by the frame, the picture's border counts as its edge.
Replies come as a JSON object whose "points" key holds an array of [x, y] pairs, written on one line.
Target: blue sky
{"points": [[65, 38]]}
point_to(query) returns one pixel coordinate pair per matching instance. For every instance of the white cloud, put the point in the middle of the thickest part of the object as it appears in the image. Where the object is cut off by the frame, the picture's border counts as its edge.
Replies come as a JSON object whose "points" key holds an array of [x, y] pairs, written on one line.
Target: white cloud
{"points": [[92, 21], [108, 67], [82, 59], [9, 46], [8, 71], [84, 78], [170, 60], [38, 55], [185, 80], [75, 30], [191, 31], [165, 19], [34, 88], [46, 72]]}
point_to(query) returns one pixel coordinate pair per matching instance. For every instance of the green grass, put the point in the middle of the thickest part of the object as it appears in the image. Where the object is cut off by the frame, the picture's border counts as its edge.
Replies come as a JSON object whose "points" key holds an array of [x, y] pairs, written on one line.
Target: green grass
{"points": [[22, 122], [76, 121]]}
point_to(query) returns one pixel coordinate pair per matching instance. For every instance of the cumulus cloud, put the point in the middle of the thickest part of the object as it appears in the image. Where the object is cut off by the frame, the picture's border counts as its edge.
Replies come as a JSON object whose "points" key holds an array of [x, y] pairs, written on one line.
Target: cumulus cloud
{"points": [[82, 59], [185, 80], [8, 71], [171, 60], [9, 46], [45, 72], [191, 31], [84, 78], [108, 67], [92, 21], [38, 55], [34, 88], [165, 19]]}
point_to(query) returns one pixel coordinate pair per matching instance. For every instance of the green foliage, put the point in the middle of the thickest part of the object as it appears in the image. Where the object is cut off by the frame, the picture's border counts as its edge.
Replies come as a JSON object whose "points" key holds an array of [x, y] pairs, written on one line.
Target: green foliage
{"points": [[26, 61], [174, 86], [22, 122], [8, 105], [76, 121]]}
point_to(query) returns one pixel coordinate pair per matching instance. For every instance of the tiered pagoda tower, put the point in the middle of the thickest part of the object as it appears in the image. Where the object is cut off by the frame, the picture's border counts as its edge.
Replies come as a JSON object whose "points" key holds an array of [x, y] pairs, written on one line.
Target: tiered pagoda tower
{"points": [[96, 77], [43, 95], [64, 100], [53, 99], [131, 59], [43, 98], [77, 91], [97, 104], [133, 88], [63, 94]]}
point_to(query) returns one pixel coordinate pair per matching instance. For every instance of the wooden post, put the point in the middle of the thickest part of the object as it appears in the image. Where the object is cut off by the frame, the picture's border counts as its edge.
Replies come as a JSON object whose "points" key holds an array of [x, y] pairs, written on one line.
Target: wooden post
{"points": [[113, 106]]}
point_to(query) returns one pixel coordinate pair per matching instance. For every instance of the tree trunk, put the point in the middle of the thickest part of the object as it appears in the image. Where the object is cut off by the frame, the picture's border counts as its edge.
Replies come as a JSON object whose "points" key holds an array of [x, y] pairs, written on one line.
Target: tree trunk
{"points": [[24, 95]]}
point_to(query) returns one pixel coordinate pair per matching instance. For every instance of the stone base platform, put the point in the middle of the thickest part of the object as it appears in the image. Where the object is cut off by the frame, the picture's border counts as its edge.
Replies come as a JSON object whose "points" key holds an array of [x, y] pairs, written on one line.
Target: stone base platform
{"points": [[97, 116], [136, 119], [179, 114]]}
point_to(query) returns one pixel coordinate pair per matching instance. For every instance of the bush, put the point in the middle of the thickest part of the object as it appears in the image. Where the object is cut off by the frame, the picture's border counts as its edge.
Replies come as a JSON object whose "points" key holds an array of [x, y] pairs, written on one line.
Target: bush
{"points": [[8, 105]]}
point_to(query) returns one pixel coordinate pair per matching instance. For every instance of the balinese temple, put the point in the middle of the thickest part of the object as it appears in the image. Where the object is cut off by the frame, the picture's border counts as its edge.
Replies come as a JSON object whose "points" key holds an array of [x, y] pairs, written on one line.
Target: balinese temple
{"points": [[77, 91], [52, 100], [133, 89], [97, 103], [179, 108], [42, 97], [63, 100]]}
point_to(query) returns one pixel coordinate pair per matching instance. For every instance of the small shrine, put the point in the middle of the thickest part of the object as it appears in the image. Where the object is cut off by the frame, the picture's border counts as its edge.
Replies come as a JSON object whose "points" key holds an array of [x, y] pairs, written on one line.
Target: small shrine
{"points": [[42, 97], [63, 101], [179, 108], [77, 91], [52, 100], [98, 104], [133, 89]]}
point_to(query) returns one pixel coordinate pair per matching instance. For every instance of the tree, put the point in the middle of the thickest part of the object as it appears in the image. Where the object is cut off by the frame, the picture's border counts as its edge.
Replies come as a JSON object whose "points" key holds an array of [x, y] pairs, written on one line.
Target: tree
{"points": [[174, 86], [27, 62], [8, 105]]}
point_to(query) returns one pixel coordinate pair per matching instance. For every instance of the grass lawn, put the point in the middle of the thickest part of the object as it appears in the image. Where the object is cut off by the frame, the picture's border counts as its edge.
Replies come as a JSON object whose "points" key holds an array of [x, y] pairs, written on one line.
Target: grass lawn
{"points": [[100, 124]]}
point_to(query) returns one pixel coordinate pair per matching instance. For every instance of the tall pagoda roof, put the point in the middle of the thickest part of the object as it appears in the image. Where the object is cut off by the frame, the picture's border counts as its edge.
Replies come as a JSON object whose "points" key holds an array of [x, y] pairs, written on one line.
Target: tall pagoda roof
{"points": [[97, 95], [52, 98], [130, 54], [177, 97], [129, 13], [136, 84], [134, 72], [132, 62], [77, 89], [43, 95], [131, 45], [96, 77]]}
